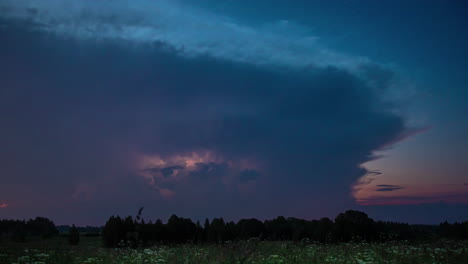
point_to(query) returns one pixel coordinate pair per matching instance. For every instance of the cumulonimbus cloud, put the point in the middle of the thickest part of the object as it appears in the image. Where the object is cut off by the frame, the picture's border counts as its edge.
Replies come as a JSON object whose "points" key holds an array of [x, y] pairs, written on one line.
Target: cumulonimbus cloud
{"points": [[229, 109]]}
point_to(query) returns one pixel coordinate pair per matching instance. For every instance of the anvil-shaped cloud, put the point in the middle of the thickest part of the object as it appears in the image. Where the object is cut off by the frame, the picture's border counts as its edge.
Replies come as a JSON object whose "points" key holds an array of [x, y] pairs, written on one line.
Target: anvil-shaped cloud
{"points": [[220, 117], [189, 30]]}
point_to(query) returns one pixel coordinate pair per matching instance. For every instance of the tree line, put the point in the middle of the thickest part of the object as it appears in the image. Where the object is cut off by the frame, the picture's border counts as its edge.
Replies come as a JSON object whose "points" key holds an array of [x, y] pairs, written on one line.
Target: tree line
{"points": [[346, 227], [135, 231], [19, 230]]}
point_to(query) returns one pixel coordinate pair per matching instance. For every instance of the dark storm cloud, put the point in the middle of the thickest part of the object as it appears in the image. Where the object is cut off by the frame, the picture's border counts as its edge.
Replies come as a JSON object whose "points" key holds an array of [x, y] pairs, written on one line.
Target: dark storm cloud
{"points": [[209, 170], [166, 171], [249, 175], [170, 170], [83, 112]]}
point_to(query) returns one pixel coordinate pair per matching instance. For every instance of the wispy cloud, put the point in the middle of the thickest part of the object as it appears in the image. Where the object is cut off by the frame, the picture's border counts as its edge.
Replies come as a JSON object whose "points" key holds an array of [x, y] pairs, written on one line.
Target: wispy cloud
{"points": [[3, 205], [388, 188]]}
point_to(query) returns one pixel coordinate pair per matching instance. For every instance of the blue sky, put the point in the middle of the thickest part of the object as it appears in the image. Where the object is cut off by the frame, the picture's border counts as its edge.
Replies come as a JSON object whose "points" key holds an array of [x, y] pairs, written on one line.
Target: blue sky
{"points": [[233, 108]]}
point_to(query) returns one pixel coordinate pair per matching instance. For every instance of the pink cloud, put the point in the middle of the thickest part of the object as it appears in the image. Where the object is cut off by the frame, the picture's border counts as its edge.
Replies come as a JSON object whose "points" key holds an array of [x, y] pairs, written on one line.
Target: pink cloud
{"points": [[3, 205]]}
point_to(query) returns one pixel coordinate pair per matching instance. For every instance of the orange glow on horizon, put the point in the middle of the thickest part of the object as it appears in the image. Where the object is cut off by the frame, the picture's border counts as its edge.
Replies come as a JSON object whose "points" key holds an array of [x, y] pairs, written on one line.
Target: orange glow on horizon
{"points": [[392, 180], [367, 193]]}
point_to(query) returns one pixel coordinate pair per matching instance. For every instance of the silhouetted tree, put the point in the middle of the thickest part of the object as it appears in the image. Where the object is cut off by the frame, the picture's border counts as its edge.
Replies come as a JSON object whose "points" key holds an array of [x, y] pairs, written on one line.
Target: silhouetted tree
{"points": [[278, 229], [207, 233], [454, 231], [323, 231], [73, 236], [41, 226], [249, 228], [231, 231], [218, 229], [354, 226], [115, 231], [198, 234], [180, 229]]}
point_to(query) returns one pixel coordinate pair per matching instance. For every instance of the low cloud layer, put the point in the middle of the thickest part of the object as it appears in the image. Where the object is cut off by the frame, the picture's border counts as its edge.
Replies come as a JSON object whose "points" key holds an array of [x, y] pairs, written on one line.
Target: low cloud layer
{"points": [[225, 128]]}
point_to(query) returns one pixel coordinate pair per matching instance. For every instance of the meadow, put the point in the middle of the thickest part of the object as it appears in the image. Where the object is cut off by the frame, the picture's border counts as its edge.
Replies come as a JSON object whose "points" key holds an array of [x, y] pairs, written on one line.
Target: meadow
{"points": [[90, 251]]}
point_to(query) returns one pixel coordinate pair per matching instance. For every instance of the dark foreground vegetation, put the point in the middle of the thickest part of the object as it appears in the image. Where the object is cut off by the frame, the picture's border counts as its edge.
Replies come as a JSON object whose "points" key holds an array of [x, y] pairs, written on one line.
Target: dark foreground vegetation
{"points": [[57, 251], [352, 237]]}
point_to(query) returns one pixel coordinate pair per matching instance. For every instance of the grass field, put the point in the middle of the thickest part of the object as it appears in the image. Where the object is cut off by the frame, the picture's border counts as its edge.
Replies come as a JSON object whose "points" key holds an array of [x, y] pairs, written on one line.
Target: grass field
{"points": [[90, 251]]}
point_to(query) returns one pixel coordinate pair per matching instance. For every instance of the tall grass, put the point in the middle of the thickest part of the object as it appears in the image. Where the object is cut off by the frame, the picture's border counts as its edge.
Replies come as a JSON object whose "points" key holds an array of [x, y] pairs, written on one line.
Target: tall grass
{"points": [[449, 252]]}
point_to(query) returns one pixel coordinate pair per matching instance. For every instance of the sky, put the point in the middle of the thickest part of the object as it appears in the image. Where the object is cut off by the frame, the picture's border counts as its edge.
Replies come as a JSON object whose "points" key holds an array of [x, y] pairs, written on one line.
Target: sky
{"points": [[234, 109]]}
